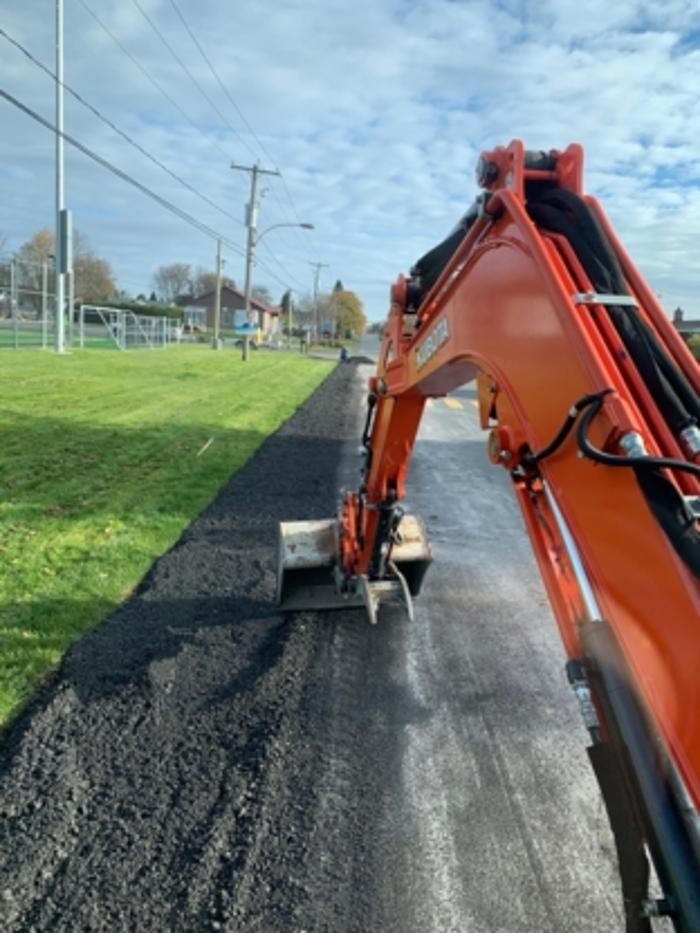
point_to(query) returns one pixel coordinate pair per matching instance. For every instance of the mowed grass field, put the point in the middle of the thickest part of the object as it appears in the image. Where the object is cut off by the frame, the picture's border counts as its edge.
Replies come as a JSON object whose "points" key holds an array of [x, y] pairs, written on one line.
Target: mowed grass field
{"points": [[103, 462]]}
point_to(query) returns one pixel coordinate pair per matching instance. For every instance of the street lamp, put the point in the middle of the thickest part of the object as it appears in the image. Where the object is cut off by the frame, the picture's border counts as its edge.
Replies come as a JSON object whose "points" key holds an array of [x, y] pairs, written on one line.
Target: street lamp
{"points": [[253, 240], [303, 226]]}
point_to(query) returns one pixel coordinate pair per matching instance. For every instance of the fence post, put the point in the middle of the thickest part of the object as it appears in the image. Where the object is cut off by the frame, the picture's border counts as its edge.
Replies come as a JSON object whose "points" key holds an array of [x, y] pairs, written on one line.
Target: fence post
{"points": [[13, 300], [82, 326], [44, 302], [71, 302]]}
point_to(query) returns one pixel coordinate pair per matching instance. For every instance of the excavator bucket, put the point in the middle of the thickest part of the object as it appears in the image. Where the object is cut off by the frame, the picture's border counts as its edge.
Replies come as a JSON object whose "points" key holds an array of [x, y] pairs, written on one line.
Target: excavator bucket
{"points": [[306, 560], [307, 577]]}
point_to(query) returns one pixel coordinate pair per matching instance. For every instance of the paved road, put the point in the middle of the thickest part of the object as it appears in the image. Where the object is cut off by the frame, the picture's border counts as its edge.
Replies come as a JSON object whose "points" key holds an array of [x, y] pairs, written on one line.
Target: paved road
{"points": [[507, 828], [510, 829]]}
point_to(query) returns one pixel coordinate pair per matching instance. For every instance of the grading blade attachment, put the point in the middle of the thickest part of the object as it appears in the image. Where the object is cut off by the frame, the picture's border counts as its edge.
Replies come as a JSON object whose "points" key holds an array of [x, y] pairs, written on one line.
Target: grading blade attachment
{"points": [[308, 577]]}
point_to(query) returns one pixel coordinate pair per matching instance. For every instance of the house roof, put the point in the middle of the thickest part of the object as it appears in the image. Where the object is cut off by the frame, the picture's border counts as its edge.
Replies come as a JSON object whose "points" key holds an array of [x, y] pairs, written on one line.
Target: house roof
{"points": [[206, 300]]}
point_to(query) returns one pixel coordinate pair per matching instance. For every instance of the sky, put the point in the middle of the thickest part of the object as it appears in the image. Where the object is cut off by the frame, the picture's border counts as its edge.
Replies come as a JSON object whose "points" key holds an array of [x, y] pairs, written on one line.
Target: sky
{"points": [[374, 111]]}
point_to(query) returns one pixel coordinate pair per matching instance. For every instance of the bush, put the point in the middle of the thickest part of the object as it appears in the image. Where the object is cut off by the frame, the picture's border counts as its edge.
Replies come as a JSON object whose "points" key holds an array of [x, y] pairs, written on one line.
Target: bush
{"points": [[694, 344]]}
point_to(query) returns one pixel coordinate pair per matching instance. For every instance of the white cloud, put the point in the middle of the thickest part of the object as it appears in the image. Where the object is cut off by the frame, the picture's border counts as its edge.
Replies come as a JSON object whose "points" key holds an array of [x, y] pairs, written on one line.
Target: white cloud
{"points": [[375, 112]]}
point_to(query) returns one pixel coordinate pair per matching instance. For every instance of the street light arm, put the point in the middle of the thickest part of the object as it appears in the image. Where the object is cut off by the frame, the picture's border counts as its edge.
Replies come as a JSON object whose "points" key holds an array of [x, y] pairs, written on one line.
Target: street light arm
{"points": [[304, 226]]}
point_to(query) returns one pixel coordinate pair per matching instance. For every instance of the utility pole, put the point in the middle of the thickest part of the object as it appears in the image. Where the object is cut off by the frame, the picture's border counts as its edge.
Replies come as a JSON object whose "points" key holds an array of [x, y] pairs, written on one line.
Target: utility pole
{"points": [[316, 266], [216, 342], [251, 224], [60, 205]]}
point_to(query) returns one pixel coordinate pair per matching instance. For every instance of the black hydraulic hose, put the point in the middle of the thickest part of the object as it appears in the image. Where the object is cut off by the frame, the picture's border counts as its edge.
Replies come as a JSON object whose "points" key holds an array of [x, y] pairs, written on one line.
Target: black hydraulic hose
{"points": [[566, 213], [591, 405], [367, 433], [617, 460], [565, 429], [371, 402]]}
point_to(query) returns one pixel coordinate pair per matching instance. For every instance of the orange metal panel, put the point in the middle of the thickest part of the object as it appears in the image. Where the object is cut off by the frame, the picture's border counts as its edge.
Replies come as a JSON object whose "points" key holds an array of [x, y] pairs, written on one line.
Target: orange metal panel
{"points": [[503, 307]]}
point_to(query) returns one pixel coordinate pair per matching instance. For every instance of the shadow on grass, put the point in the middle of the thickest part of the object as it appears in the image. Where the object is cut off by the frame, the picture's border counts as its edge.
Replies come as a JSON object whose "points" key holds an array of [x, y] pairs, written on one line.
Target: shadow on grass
{"points": [[54, 468]]}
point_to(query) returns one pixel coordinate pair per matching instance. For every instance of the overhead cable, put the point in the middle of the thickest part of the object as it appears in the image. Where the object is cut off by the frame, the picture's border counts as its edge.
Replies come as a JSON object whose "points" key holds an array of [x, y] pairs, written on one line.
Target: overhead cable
{"points": [[156, 84], [121, 132], [235, 106], [189, 74], [168, 205]]}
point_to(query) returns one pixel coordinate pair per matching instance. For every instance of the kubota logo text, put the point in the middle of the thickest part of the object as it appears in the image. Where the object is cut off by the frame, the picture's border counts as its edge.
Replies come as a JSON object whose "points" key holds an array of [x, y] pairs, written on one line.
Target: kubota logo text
{"points": [[432, 344]]}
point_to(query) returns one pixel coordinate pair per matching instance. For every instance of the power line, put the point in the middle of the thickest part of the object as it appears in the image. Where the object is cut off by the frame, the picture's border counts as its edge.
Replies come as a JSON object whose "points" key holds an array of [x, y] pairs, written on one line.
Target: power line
{"points": [[165, 94], [282, 266], [163, 202], [220, 82], [153, 81], [156, 84], [121, 132], [189, 74], [235, 106]]}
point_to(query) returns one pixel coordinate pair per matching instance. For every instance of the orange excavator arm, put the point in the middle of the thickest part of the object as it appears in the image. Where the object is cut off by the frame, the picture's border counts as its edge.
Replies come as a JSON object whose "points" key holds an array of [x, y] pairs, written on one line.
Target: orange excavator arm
{"points": [[591, 398]]}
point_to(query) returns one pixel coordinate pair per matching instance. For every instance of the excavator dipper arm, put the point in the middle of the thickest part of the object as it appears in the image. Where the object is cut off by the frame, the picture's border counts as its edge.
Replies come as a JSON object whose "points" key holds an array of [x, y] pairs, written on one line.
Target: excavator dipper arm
{"points": [[591, 399]]}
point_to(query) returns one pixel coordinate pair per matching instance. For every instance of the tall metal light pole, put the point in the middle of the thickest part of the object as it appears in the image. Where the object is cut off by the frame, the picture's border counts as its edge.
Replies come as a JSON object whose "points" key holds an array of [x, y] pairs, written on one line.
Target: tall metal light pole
{"points": [[60, 205]]}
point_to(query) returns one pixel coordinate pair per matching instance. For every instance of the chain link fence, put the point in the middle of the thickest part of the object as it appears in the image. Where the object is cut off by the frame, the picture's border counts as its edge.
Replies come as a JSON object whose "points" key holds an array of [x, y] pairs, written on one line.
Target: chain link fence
{"points": [[28, 315], [27, 301]]}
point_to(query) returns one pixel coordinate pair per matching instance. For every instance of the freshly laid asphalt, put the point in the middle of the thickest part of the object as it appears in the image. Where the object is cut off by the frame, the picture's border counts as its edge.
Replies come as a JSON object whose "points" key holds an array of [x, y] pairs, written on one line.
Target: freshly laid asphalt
{"points": [[201, 762]]}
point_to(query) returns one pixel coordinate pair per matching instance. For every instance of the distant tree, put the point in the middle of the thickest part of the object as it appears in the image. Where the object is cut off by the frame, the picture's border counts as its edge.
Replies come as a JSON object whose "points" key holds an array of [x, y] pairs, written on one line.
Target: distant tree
{"points": [[39, 249], [94, 279], [204, 281], [152, 297], [338, 287], [173, 281], [262, 293], [350, 317], [287, 309]]}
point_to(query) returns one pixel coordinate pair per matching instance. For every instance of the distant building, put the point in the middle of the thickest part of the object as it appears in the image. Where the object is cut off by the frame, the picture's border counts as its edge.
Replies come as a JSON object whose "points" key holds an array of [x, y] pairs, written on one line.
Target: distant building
{"points": [[685, 328], [199, 311]]}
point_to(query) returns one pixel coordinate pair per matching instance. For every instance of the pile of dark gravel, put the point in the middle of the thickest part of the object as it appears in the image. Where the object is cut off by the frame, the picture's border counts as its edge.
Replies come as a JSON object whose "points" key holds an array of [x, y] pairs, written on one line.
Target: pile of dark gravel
{"points": [[186, 769]]}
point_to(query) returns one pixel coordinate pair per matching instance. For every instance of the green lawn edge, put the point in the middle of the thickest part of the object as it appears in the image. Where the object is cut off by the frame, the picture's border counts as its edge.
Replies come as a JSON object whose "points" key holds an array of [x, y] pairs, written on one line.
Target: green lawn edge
{"points": [[105, 458]]}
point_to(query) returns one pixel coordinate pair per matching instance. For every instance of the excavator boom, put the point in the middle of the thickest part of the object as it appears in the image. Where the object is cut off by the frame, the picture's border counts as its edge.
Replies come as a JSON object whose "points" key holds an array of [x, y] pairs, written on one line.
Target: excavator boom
{"points": [[592, 403]]}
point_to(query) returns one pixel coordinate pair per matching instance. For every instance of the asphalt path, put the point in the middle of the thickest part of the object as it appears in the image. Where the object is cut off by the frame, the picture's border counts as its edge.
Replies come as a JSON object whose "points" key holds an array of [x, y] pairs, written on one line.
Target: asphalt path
{"points": [[201, 762], [510, 829], [502, 823]]}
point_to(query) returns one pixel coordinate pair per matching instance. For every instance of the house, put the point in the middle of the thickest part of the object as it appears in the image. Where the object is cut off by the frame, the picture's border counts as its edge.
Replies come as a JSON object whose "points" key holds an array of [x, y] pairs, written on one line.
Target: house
{"points": [[685, 327], [199, 311]]}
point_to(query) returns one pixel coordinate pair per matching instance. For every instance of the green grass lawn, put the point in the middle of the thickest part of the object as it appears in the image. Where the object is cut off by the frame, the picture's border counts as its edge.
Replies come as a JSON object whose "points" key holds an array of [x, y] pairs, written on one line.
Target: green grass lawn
{"points": [[102, 465], [21, 338]]}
